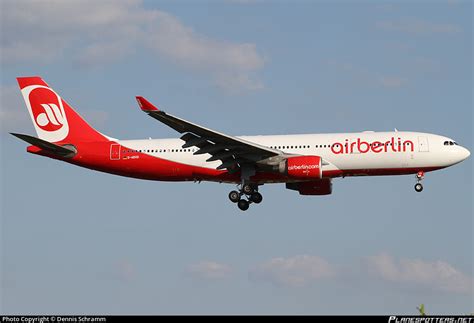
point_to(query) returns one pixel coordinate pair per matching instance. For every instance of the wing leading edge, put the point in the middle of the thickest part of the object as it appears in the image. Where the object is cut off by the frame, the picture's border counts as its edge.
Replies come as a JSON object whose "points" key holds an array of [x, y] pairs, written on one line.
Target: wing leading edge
{"points": [[233, 152]]}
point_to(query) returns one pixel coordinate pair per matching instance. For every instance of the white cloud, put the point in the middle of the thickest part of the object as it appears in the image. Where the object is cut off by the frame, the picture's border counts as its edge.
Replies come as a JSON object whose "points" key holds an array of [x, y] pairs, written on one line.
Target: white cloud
{"points": [[209, 270], [418, 27], [14, 116], [437, 275], [417, 274], [297, 271], [170, 37], [100, 32], [103, 53], [392, 81], [237, 82]]}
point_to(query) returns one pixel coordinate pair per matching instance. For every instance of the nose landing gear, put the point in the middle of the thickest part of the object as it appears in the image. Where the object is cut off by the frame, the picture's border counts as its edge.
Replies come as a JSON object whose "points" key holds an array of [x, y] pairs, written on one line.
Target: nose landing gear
{"points": [[419, 177], [247, 194]]}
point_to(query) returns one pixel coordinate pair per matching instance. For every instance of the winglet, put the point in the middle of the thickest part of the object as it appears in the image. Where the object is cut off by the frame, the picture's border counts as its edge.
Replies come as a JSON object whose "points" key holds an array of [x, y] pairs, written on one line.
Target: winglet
{"points": [[145, 105]]}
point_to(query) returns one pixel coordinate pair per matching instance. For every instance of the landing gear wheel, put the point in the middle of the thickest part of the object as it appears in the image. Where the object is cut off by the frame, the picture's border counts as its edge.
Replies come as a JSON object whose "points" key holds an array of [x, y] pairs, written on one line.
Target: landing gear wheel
{"points": [[418, 187], [247, 189], [243, 205], [256, 197], [234, 196]]}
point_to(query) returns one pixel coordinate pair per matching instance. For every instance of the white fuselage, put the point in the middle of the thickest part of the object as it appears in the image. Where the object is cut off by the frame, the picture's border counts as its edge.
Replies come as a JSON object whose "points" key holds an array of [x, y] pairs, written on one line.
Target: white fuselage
{"points": [[340, 151]]}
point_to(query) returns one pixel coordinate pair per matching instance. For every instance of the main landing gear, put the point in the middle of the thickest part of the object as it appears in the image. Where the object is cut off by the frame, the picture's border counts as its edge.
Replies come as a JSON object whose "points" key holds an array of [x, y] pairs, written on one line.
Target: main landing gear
{"points": [[247, 194], [419, 177]]}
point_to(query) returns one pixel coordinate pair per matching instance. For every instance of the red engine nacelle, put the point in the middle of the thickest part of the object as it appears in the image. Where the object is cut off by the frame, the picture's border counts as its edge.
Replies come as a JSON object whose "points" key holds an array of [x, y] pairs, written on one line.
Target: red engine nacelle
{"points": [[302, 167], [320, 187]]}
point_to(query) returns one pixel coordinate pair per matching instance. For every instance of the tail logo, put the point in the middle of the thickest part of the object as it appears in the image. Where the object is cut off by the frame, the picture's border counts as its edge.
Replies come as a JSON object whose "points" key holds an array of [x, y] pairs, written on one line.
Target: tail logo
{"points": [[47, 111], [50, 117]]}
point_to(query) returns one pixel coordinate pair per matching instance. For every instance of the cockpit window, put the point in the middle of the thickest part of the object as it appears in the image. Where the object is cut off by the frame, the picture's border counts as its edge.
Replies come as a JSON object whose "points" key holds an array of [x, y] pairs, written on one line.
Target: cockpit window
{"points": [[450, 143]]}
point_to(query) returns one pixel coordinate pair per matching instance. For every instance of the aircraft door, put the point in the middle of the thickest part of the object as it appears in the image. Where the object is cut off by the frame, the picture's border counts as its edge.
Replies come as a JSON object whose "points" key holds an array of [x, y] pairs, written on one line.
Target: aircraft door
{"points": [[423, 144], [114, 152]]}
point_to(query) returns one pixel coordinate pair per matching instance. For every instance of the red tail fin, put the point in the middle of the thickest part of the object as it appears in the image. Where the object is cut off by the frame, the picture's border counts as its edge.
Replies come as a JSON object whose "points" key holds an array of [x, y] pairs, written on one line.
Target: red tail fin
{"points": [[54, 119]]}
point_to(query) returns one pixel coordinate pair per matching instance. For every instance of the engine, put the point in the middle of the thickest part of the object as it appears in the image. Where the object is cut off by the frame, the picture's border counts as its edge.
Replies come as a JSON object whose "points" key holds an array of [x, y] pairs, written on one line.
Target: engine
{"points": [[319, 187], [302, 167]]}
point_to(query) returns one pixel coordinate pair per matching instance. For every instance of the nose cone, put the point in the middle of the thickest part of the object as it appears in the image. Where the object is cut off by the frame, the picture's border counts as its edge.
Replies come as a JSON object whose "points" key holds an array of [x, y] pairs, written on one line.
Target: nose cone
{"points": [[464, 153]]}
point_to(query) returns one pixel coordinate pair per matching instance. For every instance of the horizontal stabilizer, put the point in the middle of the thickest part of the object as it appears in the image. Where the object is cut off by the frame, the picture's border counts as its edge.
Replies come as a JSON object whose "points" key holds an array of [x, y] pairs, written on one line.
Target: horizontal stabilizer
{"points": [[46, 145]]}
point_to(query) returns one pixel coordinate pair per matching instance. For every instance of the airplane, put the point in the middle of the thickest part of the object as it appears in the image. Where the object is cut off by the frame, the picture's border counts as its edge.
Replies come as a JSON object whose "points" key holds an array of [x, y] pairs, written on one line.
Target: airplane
{"points": [[305, 163]]}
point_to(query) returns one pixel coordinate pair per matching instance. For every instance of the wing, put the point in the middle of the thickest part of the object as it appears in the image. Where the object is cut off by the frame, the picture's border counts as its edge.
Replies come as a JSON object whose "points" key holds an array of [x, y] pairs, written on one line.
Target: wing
{"points": [[232, 151]]}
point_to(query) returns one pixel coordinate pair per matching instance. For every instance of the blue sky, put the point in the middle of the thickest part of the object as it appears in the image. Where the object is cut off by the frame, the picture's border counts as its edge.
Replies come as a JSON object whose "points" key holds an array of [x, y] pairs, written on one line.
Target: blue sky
{"points": [[78, 241]]}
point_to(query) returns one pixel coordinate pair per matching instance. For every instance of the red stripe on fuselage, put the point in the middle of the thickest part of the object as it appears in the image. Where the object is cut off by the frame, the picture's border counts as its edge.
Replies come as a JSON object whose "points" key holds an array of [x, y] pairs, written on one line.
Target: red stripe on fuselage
{"points": [[378, 171], [96, 156]]}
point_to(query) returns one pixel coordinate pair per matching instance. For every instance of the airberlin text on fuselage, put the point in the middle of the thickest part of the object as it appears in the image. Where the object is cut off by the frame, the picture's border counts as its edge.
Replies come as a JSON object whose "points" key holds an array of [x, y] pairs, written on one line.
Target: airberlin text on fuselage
{"points": [[299, 167], [376, 146]]}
